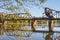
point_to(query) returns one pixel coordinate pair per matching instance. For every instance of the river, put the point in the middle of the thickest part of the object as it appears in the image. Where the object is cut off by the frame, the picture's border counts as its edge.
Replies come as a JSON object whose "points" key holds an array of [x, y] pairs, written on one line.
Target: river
{"points": [[34, 35]]}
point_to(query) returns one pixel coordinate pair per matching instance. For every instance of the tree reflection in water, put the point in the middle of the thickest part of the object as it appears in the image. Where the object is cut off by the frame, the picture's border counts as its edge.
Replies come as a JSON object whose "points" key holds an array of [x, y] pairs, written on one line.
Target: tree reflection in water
{"points": [[49, 36]]}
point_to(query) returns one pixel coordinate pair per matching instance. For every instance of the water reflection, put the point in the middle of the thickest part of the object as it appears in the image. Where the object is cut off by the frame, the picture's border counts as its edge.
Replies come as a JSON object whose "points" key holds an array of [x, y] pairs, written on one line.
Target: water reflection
{"points": [[29, 35], [49, 36]]}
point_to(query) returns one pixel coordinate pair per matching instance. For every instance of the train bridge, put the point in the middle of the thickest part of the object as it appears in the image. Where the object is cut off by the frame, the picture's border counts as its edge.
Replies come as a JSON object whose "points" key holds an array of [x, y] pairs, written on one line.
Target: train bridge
{"points": [[33, 23]]}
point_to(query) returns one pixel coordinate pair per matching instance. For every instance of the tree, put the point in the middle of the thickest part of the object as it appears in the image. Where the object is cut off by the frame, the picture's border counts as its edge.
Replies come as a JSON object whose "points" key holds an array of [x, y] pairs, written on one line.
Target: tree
{"points": [[18, 5]]}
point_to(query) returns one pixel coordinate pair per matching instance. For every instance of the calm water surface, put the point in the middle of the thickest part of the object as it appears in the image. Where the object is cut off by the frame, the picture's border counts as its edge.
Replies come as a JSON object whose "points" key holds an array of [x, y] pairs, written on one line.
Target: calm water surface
{"points": [[34, 36]]}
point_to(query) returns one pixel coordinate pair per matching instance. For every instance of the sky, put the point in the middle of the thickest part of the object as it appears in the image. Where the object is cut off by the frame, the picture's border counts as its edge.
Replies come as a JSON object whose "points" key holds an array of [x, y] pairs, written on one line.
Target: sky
{"points": [[53, 4], [37, 11]]}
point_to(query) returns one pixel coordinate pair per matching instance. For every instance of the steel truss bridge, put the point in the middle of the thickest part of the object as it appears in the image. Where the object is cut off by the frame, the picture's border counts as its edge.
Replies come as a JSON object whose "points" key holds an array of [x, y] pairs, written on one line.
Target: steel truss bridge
{"points": [[33, 19], [33, 23]]}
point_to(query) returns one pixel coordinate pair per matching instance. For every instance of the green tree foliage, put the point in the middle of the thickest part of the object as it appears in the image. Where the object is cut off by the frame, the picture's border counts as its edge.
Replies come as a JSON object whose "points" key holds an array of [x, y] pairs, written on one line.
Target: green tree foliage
{"points": [[43, 1], [14, 5]]}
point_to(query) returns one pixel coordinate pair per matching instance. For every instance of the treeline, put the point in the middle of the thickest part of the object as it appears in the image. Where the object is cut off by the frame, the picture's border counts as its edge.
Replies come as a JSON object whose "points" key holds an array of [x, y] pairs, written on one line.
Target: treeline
{"points": [[13, 24], [18, 24]]}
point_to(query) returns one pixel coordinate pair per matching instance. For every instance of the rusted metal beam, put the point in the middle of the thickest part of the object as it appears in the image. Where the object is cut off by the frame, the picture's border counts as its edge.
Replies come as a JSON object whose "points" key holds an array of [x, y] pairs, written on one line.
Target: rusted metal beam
{"points": [[33, 19]]}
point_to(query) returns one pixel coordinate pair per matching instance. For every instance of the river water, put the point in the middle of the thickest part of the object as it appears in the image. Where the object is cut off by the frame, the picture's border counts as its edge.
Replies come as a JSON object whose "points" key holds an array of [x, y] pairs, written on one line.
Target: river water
{"points": [[34, 35]]}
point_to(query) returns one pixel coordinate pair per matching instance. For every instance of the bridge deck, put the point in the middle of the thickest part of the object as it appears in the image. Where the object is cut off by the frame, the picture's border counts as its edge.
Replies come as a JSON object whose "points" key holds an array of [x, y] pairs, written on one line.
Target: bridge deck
{"points": [[33, 19]]}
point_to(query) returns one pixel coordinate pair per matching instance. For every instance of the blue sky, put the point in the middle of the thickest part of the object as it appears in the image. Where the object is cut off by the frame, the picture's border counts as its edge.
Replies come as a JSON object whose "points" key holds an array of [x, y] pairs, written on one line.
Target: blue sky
{"points": [[36, 11], [53, 4]]}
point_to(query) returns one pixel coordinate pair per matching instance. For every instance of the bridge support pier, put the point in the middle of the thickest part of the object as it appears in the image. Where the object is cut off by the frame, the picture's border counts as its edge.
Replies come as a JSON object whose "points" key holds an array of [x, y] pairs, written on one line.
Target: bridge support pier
{"points": [[51, 25], [1, 28], [34, 25]]}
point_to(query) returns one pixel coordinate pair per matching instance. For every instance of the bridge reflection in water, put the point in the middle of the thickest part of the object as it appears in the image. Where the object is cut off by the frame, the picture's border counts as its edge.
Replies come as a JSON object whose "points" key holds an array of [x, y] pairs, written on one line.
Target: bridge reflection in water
{"points": [[29, 35]]}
